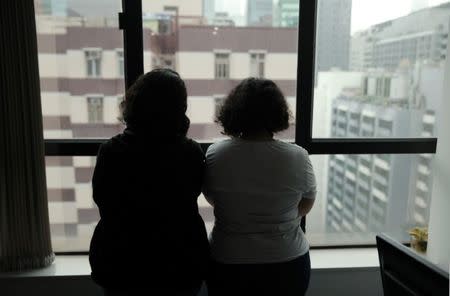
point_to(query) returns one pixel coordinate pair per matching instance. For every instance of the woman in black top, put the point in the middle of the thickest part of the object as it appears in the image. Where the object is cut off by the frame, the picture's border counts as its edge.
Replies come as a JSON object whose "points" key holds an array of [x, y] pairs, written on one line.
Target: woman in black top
{"points": [[150, 238]]}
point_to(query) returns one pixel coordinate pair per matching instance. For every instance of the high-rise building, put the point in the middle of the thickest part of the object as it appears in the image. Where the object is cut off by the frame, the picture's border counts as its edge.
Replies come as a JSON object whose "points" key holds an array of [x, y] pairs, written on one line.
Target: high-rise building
{"points": [[82, 83], [370, 193], [259, 13], [209, 10], [51, 7], [333, 34], [286, 13], [422, 35]]}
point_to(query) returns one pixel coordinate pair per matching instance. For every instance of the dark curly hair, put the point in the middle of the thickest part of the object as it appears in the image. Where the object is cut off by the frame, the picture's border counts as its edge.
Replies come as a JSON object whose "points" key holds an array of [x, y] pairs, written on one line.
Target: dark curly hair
{"points": [[252, 106], [156, 103]]}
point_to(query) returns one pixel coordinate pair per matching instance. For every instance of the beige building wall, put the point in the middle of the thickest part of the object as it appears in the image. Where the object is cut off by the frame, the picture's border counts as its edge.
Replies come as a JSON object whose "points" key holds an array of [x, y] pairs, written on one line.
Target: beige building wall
{"points": [[195, 65], [58, 134], [83, 192], [60, 177], [239, 65], [201, 109], [185, 7], [281, 66], [110, 109], [201, 65], [79, 113], [76, 64], [55, 104], [109, 64], [52, 65], [62, 212]]}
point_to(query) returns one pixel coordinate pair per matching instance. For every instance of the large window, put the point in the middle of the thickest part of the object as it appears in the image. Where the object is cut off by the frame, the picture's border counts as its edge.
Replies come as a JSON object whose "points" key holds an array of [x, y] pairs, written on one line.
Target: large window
{"points": [[365, 96], [214, 45], [382, 58], [72, 211], [362, 195], [80, 52]]}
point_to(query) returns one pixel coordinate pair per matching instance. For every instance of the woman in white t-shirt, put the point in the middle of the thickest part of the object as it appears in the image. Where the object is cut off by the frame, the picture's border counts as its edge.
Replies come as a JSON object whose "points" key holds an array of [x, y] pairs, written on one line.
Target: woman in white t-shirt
{"points": [[260, 189]]}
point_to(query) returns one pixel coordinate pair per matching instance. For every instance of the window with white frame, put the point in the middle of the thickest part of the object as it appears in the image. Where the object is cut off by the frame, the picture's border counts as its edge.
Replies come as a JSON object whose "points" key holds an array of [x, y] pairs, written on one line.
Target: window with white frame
{"points": [[222, 68], [95, 109], [93, 62], [120, 63], [257, 64]]}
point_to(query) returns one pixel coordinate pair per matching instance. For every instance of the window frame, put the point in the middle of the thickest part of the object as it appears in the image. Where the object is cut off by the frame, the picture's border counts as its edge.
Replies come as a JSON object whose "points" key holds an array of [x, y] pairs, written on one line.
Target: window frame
{"points": [[130, 21], [120, 62], [96, 62], [257, 62], [223, 63], [97, 114]]}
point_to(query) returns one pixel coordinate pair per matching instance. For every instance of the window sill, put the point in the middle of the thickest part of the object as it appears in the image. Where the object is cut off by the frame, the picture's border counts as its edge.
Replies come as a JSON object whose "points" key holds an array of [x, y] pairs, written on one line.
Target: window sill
{"points": [[78, 265]]}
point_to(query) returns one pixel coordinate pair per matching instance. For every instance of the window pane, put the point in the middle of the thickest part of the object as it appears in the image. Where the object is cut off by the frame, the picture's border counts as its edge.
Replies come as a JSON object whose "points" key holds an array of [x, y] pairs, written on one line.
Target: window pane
{"points": [[73, 214], [212, 44], [78, 46], [380, 59], [362, 195]]}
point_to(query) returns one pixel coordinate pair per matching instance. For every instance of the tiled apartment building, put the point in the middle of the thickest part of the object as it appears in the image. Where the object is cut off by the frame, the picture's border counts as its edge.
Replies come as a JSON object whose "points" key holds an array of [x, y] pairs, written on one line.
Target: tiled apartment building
{"points": [[82, 67]]}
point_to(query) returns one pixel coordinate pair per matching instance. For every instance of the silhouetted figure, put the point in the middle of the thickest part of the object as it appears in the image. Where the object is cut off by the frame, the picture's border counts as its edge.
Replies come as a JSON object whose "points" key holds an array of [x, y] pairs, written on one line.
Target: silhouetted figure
{"points": [[260, 188], [150, 239]]}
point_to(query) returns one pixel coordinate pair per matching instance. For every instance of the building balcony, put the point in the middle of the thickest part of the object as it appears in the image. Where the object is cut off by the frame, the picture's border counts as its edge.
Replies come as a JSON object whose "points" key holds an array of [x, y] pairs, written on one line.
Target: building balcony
{"points": [[424, 170], [422, 186], [337, 203], [379, 195], [420, 202], [381, 163]]}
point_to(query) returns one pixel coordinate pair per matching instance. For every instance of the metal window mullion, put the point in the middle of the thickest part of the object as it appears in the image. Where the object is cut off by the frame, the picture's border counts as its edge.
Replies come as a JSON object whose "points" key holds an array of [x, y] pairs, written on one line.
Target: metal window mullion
{"points": [[305, 71], [131, 24]]}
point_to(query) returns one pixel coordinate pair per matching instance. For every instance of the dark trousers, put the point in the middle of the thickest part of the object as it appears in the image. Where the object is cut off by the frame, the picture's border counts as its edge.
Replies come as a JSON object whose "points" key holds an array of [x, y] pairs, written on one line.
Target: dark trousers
{"points": [[277, 279]]}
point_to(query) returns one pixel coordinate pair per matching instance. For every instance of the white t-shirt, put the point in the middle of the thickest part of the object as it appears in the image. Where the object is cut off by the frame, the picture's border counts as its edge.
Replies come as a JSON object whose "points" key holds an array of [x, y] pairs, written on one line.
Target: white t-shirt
{"points": [[255, 187]]}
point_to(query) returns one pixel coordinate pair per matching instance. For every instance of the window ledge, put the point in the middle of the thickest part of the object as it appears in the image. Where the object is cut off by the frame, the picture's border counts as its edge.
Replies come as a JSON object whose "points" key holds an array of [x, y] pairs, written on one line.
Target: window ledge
{"points": [[78, 265]]}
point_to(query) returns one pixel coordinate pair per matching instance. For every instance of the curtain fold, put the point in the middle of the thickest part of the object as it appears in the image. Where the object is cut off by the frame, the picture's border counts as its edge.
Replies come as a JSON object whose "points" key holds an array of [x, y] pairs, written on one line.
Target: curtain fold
{"points": [[24, 223]]}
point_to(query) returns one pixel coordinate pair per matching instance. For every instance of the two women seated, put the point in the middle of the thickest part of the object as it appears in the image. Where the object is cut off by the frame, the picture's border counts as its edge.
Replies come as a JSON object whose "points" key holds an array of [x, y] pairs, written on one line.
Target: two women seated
{"points": [[151, 239]]}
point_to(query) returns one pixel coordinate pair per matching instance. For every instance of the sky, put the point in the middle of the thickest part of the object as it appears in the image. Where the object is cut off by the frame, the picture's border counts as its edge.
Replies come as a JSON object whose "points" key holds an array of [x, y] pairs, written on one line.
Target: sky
{"points": [[365, 13], [370, 12]]}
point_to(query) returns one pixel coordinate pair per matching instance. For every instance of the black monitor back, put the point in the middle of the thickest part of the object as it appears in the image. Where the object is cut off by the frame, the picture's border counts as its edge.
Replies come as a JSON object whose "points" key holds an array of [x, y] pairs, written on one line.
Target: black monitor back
{"points": [[404, 272]]}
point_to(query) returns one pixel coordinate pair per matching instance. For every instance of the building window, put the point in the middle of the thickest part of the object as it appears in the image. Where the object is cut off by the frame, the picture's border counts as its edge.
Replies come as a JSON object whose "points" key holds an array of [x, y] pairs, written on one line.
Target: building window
{"points": [[120, 63], [95, 109], [222, 68], [93, 62], [366, 86], [387, 87], [218, 102], [257, 63], [379, 87]]}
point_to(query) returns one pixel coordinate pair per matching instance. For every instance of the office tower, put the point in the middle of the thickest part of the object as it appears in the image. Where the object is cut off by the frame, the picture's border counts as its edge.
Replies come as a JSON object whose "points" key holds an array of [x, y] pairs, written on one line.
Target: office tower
{"points": [[209, 10], [371, 193], [286, 13], [259, 13], [422, 35], [333, 34], [82, 84], [51, 7]]}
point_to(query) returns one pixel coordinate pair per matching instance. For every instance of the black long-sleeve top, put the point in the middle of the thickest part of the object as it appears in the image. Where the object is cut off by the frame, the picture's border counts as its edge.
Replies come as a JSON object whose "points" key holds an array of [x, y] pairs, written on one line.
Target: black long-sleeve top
{"points": [[146, 192]]}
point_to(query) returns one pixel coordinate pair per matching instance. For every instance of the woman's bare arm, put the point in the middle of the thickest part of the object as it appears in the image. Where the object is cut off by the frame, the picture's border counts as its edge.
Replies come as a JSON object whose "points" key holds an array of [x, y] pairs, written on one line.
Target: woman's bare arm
{"points": [[306, 203]]}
